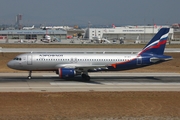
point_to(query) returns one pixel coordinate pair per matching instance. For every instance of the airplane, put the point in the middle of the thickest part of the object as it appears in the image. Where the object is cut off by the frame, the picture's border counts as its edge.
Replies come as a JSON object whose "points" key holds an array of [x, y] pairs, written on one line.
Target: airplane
{"points": [[72, 64], [28, 28], [46, 39]]}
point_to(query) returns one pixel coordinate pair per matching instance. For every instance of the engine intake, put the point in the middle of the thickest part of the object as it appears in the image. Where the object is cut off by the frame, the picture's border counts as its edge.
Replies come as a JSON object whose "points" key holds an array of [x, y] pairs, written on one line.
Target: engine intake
{"points": [[66, 72]]}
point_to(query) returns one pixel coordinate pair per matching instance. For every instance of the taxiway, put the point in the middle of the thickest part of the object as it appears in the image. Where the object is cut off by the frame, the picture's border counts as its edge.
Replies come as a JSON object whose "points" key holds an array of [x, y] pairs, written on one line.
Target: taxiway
{"points": [[102, 81]]}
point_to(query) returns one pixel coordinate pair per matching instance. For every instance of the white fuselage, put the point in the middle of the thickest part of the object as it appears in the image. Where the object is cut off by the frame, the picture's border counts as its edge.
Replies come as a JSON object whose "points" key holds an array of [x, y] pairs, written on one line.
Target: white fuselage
{"points": [[53, 61]]}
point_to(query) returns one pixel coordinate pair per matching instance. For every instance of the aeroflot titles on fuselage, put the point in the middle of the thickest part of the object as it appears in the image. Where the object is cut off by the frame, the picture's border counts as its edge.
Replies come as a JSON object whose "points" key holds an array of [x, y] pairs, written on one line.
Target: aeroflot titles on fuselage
{"points": [[53, 55]]}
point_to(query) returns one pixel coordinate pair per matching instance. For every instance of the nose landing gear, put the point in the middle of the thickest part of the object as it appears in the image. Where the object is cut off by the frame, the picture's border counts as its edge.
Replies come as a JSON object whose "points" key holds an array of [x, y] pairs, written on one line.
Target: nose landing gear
{"points": [[29, 77]]}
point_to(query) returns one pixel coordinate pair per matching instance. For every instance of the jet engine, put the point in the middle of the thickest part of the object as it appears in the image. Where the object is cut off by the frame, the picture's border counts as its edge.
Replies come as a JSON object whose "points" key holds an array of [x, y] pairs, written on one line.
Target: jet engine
{"points": [[66, 72]]}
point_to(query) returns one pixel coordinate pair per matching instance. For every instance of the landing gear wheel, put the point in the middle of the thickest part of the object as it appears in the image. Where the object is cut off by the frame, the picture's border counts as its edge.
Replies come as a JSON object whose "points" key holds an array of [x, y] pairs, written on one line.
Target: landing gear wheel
{"points": [[86, 77], [29, 77], [83, 76]]}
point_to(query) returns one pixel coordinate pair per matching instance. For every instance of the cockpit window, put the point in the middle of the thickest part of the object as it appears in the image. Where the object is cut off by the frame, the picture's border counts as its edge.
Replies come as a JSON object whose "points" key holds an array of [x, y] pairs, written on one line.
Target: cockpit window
{"points": [[17, 59]]}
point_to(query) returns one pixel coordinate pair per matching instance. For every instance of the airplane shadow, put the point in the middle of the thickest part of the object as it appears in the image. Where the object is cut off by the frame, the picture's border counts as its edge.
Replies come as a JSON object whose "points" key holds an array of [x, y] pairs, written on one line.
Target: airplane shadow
{"points": [[98, 80]]}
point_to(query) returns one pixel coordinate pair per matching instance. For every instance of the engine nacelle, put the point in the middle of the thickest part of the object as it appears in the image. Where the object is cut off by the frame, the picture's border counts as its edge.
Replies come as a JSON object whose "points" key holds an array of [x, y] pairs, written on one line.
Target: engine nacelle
{"points": [[66, 72]]}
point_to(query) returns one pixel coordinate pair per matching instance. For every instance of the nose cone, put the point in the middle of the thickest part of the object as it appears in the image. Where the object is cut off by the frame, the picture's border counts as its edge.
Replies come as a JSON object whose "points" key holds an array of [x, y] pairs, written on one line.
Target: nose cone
{"points": [[10, 64]]}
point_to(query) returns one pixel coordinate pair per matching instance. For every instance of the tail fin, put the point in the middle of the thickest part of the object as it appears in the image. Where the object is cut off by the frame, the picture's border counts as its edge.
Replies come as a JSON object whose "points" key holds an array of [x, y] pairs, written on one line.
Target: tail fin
{"points": [[157, 43]]}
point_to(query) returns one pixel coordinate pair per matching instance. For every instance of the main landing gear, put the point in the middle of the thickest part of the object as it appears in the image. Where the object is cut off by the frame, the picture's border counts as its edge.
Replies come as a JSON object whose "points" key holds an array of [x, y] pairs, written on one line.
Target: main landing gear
{"points": [[86, 77], [29, 77]]}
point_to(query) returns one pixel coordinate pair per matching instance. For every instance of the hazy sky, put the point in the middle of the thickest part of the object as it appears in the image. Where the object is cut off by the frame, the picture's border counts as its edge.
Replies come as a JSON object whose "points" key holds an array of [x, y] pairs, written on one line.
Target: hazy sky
{"points": [[98, 12]]}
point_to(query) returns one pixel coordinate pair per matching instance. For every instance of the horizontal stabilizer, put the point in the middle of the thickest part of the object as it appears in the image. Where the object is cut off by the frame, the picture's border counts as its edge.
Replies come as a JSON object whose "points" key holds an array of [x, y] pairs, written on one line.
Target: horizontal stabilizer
{"points": [[155, 59]]}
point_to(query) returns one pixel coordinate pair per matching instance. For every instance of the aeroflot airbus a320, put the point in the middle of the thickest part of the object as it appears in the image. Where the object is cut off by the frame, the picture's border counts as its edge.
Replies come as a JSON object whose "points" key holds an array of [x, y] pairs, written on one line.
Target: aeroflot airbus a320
{"points": [[72, 64]]}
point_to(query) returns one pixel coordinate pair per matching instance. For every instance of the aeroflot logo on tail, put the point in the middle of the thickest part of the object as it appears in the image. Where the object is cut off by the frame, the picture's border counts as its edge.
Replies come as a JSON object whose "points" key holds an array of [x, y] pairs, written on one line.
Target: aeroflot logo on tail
{"points": [[155, 44], [162, 40]]}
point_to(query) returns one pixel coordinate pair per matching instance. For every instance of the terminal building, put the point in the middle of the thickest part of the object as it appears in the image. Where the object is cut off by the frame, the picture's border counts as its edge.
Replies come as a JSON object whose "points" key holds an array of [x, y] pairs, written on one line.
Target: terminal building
{"points": [[32, 34], [144, 33], [126, 33]]}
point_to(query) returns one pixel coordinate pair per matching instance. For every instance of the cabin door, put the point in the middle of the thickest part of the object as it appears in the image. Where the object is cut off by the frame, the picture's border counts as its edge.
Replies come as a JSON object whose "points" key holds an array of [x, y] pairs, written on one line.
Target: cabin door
{"points": [[29, 59]]}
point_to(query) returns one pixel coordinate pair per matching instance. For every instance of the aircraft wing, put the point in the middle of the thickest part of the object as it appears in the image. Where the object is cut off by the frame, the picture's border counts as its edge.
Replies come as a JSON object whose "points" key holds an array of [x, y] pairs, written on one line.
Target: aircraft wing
{"points": [[82, 67]]}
